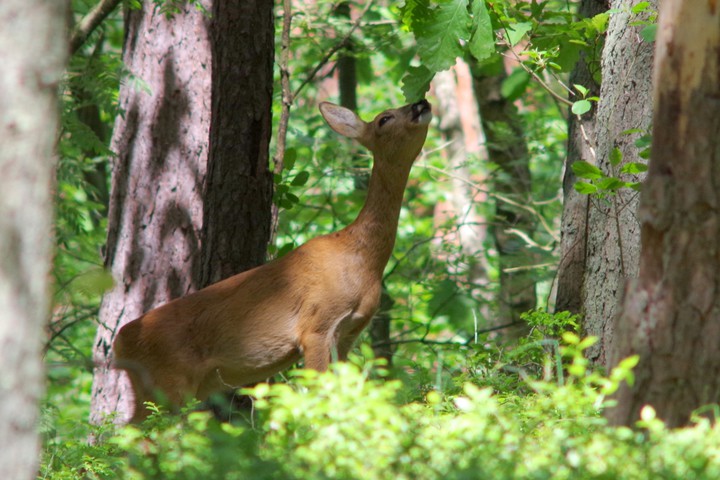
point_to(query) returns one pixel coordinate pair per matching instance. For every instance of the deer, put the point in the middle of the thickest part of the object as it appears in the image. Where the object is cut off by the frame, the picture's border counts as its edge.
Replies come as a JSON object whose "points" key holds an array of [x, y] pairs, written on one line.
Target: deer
{"points": [[312, 302]]}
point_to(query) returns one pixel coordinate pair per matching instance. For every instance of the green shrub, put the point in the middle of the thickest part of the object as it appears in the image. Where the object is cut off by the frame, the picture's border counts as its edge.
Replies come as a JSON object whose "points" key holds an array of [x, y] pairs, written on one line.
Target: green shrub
{"points": [[345, 424]]}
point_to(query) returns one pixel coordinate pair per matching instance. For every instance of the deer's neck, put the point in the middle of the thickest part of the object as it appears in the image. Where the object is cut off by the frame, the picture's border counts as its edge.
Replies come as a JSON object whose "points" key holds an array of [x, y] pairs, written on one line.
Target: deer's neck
{"points": [[373, 231]]}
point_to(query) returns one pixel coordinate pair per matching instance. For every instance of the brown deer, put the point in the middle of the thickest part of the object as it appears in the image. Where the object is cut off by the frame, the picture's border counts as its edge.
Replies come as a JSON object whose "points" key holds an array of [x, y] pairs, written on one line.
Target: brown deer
{"points": [[314, 301]]}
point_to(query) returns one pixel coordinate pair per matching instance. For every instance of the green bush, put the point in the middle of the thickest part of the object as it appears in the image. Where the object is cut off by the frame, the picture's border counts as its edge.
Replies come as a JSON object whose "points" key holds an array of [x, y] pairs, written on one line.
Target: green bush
{"points": [[346, 424]]}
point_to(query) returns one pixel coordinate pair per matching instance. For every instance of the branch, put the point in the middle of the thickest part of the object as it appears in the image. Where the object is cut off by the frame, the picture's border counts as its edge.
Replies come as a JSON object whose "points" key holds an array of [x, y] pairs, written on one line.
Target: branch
{"points": [[287, 94], [341, 44], [425, 341], [90, 22]]}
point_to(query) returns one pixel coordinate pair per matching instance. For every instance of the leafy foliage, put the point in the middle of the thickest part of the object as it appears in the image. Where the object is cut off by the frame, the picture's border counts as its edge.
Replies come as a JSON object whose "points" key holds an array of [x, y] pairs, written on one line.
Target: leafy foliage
{"points": [[347, 424]]}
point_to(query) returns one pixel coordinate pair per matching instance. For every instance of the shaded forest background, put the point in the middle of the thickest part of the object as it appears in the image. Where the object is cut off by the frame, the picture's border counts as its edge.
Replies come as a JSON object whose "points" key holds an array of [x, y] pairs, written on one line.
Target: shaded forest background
{"points": [[519, 237]]}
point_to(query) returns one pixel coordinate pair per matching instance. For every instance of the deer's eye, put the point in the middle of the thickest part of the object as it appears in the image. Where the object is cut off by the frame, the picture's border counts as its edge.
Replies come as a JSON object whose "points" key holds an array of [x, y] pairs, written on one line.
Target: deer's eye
{"points": [[384, 120]]}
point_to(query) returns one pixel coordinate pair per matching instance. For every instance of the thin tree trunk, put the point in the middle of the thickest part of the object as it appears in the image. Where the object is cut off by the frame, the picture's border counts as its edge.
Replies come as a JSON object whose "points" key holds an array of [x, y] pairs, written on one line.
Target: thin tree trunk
{"points": [[581, 146], [470, 230], [155, 212], [671, 313], [508, 150], [613, 235], [33, 47], [239, 187], [238, 193]]}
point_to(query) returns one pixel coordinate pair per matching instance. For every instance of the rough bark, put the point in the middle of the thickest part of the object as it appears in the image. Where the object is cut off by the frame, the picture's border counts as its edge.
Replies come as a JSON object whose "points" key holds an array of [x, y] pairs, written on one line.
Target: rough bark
{"points": [[581, 146], [671, 313], [507, 150], [239, 187], [238, 194], [613, 234], [33, 47], [155, 212]]}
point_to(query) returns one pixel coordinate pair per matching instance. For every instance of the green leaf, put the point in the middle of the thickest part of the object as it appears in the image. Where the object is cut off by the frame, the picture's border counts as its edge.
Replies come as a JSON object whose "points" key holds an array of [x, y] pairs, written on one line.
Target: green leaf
{"points": [[616, 157], [648, 33], [586, 170], [93, 282], [585, 188], [644, 141], [610, 184], [640, 7], [289, 158], [581, 106], [600, 22], [482, 41], [285, 249], [441, 34], [517, 31], [300, 179], [633, 168], [583, 91], [513, 86], [416, 83]]}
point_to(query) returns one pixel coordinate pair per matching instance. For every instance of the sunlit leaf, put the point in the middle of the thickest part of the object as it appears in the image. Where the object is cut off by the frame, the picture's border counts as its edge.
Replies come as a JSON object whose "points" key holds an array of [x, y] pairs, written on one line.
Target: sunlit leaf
{"points": [[482, 41], [440, 34], [581, 106], [586, 170]]}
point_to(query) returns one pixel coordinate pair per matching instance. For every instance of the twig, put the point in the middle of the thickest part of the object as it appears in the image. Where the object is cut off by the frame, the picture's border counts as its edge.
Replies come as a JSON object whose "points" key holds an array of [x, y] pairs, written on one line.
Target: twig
{"points": [[90, 22], [287, 95], [502, 198], [341, 44], [425, 341]]}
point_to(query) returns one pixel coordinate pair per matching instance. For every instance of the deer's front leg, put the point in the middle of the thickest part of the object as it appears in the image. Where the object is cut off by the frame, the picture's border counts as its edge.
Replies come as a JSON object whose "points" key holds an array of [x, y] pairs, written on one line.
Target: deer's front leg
{"points": [[316, 348]]}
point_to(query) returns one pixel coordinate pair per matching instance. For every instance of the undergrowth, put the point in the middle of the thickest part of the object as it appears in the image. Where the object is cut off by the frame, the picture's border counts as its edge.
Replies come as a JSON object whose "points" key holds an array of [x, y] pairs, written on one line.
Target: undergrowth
{"points": [[351, 423]]}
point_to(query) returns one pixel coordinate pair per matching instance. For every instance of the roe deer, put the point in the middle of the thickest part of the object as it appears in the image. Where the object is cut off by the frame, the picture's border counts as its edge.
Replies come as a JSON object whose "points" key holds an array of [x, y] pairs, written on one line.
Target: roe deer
{"points": [[312, 301]]}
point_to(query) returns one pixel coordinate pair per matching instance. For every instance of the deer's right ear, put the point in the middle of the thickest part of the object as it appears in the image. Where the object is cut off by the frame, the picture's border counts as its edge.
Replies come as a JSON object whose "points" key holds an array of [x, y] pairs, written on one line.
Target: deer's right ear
{"points": [[342, 120]]}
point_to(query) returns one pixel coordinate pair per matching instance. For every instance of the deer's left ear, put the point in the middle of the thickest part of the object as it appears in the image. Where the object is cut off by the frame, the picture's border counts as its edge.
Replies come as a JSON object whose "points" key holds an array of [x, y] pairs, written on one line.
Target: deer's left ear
{"points": [[343, 120]]}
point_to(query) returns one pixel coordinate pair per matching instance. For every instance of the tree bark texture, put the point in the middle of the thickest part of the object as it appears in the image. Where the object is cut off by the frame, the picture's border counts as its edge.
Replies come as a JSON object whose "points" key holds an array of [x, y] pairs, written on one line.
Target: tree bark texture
{"points": [[671, 313], [511, 179], [238, 194], [613, 232], [581, 146], [33, 48], [155, 212]]}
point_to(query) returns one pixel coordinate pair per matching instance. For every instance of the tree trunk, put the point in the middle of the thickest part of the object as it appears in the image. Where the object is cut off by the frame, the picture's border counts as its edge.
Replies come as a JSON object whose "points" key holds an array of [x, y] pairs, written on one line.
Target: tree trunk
{"points": [[581, 146], [239, 189], [33, 46], [671, 313], [507, 150], [155, 213], [613, 235]]}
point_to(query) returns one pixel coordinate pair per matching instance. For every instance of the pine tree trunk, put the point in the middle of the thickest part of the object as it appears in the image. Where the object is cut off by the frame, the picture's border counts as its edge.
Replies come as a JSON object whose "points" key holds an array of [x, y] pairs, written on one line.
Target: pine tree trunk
{"points": [[173, 228], [155, 213], [613, 232], [239, 189], [33, 48], [671, 313]]}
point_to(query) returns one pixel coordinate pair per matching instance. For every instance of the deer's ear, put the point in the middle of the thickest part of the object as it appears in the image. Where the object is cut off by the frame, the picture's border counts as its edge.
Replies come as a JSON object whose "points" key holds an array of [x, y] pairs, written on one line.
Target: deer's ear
{"points": [[342, 120]]}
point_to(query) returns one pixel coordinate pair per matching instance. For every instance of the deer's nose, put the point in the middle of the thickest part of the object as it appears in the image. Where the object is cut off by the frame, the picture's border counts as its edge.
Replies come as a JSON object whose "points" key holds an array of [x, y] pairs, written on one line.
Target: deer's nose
{"points": [[420, 107]]}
